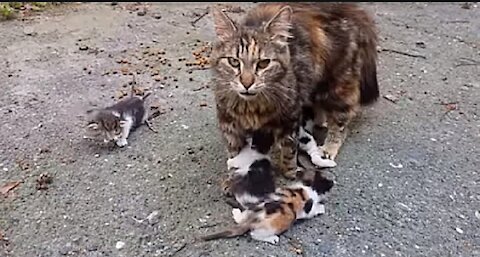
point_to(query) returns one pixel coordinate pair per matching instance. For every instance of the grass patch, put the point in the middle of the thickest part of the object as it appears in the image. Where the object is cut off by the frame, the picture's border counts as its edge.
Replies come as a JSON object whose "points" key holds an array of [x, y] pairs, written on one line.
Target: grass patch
{"points": [[12, 10]]}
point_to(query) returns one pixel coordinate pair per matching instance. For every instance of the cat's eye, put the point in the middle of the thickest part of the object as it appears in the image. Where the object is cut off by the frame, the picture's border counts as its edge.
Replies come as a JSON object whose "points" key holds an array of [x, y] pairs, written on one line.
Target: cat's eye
{"points": [[234, 62], [262, 64]]}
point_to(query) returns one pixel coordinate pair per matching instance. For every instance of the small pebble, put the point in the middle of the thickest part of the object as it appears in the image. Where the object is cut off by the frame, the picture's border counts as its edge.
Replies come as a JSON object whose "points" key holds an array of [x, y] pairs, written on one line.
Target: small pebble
{"points": [[459, 230], [119, 245], [29, 31], [97, 155], [477, 214]]}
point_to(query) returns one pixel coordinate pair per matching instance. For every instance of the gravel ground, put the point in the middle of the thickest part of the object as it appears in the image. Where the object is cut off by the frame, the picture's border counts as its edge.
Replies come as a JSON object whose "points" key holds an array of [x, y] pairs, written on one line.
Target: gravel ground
{"points": [[407, 180]]}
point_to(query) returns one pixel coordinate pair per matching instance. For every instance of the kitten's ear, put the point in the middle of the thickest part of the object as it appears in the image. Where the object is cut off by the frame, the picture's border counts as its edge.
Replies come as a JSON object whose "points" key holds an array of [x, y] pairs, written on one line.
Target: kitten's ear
{"points": [[116, 114], [279, 26], [93, 126], [224, 26]]}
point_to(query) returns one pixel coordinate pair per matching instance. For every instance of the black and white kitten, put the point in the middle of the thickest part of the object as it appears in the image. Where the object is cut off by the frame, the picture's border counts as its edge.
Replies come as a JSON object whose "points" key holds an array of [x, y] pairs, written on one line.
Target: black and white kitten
{"points": [[307, 143], [114, 123], [253, 180]]}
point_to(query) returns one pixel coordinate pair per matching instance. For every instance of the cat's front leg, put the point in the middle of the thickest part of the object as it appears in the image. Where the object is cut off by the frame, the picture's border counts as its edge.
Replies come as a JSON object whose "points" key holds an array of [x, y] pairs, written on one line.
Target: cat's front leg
{"points": [[233, 137], [235, 141], [121, 142], [288, 156], [337, 132], [126, 125]]}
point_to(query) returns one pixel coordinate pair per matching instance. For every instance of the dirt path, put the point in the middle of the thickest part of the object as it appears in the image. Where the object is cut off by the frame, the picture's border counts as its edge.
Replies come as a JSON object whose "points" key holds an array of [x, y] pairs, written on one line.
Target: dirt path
{"points": [[407, 180]]}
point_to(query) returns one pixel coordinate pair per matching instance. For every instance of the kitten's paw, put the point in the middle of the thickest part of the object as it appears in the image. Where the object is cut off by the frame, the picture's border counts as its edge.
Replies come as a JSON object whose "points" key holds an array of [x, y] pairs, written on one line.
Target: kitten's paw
{"points": [[237, 215], [231, 163], [323, 162], [320, 209], [272, 240], [122, 142]]}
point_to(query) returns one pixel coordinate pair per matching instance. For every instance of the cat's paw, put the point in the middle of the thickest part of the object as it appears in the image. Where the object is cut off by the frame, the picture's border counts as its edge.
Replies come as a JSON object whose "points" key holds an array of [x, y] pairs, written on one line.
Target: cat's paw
{"points": [[291, 174], [319, 209], [237, 215], [329, 151], [272, 240], [323, 162], [231, 163], [122, 142], [226, 185]]}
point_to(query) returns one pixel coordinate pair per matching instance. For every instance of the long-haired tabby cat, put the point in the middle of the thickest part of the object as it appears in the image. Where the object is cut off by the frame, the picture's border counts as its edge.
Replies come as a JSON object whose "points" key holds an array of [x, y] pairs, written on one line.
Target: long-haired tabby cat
{"points": [[272, 217], [114, 123], [283, 57]]}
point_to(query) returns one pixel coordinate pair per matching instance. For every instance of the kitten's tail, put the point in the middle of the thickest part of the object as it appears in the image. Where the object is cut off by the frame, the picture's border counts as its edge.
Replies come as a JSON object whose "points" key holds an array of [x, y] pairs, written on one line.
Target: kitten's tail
{"points": [[237, 230]]}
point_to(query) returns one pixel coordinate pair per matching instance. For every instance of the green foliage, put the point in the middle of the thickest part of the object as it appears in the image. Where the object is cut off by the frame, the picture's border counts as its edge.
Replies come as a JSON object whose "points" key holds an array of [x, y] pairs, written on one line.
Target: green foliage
{"points": [[6, 11], [9, 10]]}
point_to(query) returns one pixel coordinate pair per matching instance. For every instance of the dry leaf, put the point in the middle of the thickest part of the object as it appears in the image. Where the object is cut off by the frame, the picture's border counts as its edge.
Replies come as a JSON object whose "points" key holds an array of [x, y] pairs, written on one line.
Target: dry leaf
{"points": [[451, 106], [8, 187]]}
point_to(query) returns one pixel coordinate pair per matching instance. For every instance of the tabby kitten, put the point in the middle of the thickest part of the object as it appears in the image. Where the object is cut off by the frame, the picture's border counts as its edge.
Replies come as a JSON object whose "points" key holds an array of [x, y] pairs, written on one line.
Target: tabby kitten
{"points": [[270, 218], [114, 123], [283, 57]]}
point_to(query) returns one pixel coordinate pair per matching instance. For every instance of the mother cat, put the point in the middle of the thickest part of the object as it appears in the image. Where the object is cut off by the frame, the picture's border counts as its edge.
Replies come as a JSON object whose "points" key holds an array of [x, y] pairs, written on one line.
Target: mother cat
{"points": [[284, 59]]}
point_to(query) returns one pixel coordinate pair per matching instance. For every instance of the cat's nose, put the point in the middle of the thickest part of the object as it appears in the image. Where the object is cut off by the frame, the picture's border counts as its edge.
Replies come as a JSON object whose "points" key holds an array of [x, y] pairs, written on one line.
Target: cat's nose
{"points": [[247, 80]]}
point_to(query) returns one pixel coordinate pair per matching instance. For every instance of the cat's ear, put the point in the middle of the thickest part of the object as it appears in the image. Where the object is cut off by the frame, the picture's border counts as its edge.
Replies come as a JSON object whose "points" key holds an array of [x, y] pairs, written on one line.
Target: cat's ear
{"points": [[224, 26], [116, 114], [93, 126], [279, 26]]}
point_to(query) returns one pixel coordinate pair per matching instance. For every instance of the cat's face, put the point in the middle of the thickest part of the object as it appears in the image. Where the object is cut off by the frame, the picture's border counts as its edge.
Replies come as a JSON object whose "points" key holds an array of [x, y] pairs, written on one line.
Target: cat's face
{"points": [[250, 59], [104, 125], [316, 180]]}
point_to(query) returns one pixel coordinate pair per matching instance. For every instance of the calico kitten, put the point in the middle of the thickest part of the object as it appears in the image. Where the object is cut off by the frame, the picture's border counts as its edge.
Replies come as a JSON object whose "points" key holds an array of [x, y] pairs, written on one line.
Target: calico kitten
{"points": [[267, 220], [282, 57], [114, 123], [252, 181]]}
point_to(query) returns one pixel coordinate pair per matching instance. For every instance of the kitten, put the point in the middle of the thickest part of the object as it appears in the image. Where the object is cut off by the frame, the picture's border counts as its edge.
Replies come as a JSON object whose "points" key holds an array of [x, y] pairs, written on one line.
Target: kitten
{"points": [[114, 123], [282, 57], [267, 220], [252, 181], [307, 142]]}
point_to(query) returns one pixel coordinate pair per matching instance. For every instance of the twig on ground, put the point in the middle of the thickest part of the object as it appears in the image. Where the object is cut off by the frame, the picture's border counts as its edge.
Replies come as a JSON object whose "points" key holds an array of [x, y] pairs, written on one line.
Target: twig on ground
{"points": [[200, 17], [178, 249], [403, 53], [198, 68], [466, 62]]}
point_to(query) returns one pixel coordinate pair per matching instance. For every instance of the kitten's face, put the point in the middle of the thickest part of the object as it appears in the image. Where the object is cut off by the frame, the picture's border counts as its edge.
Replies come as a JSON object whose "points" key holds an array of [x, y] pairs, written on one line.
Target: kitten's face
{"points": [[105, 125], [316, 180], [249, 60]]}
